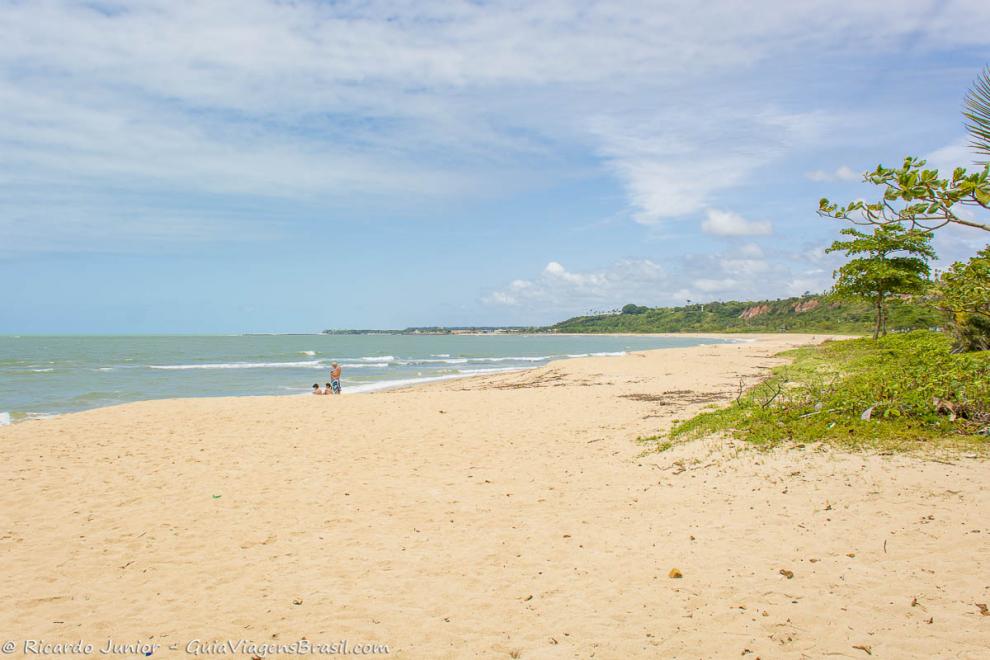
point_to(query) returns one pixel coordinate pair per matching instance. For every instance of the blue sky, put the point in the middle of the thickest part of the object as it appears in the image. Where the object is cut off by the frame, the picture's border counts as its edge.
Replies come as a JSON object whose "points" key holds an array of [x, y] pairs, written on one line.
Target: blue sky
{"points": [[272, 166]]}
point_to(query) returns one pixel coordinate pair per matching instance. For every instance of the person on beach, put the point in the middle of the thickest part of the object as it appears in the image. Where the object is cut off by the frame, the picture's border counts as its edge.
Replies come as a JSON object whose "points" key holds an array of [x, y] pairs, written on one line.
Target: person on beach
{"points": [[329, 389], [335, 378], [317, 390]]}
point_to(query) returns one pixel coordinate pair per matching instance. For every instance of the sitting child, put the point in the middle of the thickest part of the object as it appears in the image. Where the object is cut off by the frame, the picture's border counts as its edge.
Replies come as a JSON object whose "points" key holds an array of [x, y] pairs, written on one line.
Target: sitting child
{"points": [[329, 389], [316, 389]]}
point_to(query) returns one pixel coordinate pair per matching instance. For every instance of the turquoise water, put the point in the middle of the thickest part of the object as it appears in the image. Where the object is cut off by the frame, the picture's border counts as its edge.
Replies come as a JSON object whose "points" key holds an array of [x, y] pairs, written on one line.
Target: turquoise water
{"points": [[49, 375]]}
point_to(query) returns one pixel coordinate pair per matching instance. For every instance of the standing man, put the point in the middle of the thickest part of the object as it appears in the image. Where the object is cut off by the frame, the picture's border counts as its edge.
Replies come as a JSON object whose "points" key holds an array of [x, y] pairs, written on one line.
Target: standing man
{"points": [[335, 378]]}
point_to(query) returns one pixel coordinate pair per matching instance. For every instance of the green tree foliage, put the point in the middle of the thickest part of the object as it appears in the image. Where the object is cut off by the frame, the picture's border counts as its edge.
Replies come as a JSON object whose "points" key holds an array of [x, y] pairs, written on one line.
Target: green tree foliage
{"points": [[811, 313], [634, 309], [890, 260], [918, 198], [962, 293], [977, 112]]}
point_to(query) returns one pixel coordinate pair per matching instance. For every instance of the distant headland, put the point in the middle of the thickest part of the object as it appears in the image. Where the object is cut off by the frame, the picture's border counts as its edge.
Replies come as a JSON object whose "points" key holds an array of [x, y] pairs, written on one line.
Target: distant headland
{"points": [[806, 313]]}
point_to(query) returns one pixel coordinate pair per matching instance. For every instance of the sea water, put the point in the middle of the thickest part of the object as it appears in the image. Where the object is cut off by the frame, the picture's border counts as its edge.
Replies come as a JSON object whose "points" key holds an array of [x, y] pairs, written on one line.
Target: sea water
{"points": [[44, 375]]}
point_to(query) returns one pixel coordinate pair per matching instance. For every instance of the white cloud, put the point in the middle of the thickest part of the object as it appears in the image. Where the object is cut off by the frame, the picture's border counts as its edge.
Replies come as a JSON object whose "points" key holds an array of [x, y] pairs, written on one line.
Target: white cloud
{"points": [[727, 223], [751, 250], [708, 285], [958, 153], [811, 269], [745, 266], [957, 243], [841, 173], [501, 298], [256, 98], [815, 282], [558, 288], [742, 273], [659, 191], [846, 173], [672, 164]]}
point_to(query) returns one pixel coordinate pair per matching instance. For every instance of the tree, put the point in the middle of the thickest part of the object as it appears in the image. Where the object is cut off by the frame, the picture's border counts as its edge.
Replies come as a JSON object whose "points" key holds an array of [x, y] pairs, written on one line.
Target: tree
{"points": [[894, 261], [962, 293], [977, 112], [918, 198]]}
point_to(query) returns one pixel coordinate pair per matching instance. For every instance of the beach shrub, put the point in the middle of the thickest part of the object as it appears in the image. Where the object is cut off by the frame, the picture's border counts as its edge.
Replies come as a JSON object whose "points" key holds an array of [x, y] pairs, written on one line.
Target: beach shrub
{"points": [[962, 293], [893, 393]]}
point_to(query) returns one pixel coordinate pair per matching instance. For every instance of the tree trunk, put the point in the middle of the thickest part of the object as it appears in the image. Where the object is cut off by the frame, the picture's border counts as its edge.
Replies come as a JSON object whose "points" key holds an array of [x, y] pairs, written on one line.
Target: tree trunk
{"points": [[883, 315], [879, 319]]}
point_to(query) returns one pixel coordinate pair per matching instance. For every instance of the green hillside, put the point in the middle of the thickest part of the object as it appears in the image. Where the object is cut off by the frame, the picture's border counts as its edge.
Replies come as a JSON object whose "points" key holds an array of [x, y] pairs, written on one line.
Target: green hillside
{"points": [[804, 314]]}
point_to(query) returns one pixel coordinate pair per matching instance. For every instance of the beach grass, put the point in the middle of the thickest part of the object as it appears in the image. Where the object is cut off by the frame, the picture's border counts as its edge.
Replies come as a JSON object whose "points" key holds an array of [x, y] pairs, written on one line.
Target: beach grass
{"points": [[904, 392]]}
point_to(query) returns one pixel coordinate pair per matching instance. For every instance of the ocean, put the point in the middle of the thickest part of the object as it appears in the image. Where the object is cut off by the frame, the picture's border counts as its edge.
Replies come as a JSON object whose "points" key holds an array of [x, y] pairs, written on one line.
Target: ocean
{"points": [[45, 375]]}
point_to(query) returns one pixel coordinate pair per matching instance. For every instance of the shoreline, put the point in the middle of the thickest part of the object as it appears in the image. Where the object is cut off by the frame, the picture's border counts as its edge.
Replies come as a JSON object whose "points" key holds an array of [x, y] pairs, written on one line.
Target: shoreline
{"points": [[8, 418], [506, 515]]}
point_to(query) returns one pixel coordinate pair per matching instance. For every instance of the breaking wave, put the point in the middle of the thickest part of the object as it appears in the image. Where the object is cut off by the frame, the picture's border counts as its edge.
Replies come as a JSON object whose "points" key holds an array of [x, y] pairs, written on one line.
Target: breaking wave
{"points": [[314, 364]]}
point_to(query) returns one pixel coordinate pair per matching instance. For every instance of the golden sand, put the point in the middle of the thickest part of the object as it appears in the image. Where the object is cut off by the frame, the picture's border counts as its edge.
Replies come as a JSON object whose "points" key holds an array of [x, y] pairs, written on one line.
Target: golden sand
{"points": [[510, 515]]}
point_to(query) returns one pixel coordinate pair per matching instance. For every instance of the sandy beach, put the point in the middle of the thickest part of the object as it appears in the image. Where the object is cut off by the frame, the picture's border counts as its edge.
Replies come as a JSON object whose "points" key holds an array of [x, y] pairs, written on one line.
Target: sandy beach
{"points": [[510, 515]]}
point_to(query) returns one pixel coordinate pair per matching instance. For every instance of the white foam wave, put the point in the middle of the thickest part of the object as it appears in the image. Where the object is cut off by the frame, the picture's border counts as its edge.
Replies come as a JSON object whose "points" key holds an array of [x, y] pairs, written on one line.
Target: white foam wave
{"points": [[435, 361], [364, 365], [40, 416], [313, 364], [378, 358], [440, 355], [601, 354], [525, 358], [4, 418], [42, 371], [310, 353]]}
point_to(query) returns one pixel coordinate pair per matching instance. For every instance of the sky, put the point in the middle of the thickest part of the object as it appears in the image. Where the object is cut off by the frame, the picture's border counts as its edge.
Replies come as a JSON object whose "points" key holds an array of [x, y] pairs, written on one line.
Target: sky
{"points": [[290, 166]]}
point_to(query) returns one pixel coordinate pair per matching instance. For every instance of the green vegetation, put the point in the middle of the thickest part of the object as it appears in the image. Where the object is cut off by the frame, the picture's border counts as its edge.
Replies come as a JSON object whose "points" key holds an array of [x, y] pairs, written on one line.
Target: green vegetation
{"points": [[809, 313], [899, 392], [904, 391], [890, 260], [917, 198], [962, 293]]}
